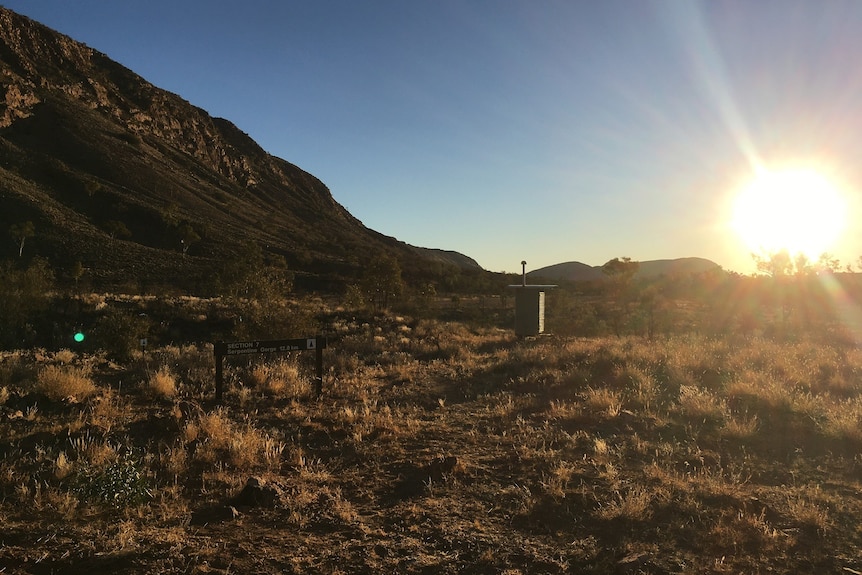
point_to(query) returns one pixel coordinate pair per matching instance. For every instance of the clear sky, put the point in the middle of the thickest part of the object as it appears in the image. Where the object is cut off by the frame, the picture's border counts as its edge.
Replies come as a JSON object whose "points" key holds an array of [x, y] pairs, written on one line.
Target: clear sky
{"points": [[509, 130]]}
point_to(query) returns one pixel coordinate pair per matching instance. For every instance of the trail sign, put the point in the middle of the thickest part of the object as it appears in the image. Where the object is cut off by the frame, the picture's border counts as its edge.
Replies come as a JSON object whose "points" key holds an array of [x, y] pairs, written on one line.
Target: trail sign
{"points": [[223, 349], [269, 346]]}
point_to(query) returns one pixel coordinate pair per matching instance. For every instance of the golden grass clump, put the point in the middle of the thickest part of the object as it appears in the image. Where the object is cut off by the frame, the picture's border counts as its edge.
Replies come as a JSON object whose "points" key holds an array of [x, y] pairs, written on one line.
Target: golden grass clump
{"points": [[843, 421], [281, 378], [700, 404], [93, 450], [603, 401], [740, 427], [58, 383], [633, 505], [105, 410], [243, 446], [162, 383], [64, 356]]}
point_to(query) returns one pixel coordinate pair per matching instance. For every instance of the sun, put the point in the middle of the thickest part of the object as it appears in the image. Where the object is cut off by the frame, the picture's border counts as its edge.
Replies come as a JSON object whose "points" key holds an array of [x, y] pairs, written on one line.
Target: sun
{"points": [[798, 210]]}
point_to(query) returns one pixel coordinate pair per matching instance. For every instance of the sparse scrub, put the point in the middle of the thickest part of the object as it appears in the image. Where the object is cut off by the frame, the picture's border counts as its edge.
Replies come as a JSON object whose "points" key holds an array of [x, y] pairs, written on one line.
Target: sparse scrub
{"points": [[600, 455]]}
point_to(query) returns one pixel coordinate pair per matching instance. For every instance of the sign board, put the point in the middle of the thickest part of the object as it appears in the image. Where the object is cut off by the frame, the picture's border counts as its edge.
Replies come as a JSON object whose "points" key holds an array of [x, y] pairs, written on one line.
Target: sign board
{"points": [[224, 349], [268, 346]]}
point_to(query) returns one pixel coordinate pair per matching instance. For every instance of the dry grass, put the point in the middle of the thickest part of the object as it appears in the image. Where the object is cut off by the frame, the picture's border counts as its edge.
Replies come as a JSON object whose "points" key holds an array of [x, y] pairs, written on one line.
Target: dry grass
{"points": [[61, 383], [162, 383], [280, 378], [438, 447]]}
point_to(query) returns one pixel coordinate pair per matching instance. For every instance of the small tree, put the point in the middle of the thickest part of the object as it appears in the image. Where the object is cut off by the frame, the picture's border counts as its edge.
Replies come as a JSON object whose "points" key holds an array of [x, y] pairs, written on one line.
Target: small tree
{"points": [[803, 265], [21, 232], [827, 263], [381, 280], [621, 270], [23, 293], [655, 309], [620, 273], [119, 333], [188, 236], [250, 274], [774, 264], [117, 229], [77, 272], [257, 286], [779, 266]]}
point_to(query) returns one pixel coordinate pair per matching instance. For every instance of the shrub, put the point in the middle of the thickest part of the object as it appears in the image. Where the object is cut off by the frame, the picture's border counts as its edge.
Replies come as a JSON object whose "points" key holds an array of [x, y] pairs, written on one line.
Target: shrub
{"points": [[64, 356], [119, 333], [162, 383], [23, 294], [59, 383], [120, 483]]}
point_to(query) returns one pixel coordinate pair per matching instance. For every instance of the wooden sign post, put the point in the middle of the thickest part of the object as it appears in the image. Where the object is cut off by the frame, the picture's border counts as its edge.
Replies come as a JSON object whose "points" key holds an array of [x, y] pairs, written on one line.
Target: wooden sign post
{"points": [[222, 349]]}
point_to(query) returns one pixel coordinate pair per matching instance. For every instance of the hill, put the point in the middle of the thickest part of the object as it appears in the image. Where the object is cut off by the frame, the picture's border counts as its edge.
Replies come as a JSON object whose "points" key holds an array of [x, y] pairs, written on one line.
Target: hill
{"points": [[138, 185], [577, 271]]}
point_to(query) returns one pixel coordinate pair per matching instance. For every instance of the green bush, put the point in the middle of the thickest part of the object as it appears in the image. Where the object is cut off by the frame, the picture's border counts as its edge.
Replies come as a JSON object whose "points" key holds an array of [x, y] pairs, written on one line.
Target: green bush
{"points": [[119, 333], [23, 294], [120, 483]]}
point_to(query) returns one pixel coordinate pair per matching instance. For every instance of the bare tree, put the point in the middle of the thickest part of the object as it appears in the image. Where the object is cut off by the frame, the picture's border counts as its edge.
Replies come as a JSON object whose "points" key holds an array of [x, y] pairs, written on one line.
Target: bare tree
{"points": [[21, 232]]}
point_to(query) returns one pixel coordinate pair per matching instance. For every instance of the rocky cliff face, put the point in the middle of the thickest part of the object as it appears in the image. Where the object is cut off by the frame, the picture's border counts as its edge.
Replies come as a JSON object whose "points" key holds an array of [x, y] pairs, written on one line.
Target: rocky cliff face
{"points": [[36, 60], [86, 144]]}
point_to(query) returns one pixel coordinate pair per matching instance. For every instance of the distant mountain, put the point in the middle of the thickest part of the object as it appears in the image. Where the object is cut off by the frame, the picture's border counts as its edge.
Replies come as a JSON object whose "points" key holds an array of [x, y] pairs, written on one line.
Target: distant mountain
{"points": [[675, 267], [568, 271], [577, 271], [138, 185]]}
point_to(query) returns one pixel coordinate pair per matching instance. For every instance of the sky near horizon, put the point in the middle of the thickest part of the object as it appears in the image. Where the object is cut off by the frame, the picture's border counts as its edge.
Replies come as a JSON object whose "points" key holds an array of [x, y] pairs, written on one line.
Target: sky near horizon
{"points": [[508, 130]]}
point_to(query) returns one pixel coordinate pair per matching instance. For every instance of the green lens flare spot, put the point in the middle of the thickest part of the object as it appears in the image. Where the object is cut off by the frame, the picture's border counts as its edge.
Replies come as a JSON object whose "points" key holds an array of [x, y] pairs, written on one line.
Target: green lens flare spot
{"points": [[79, 337]]}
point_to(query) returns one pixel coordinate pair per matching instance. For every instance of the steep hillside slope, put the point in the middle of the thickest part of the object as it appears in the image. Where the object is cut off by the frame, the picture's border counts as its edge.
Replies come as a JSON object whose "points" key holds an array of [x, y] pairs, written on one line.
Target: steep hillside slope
{"points": [[139, 185]]}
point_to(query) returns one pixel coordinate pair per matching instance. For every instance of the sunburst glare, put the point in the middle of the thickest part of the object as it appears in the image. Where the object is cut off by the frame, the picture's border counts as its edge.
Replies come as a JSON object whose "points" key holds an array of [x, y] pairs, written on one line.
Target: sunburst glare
{"points": [[798, 210]]}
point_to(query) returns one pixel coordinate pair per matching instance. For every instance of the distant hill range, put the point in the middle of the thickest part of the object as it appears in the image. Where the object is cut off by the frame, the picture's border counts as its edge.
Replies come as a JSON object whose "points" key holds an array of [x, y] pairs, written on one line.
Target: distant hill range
{"points": [[577, 271], [136, 184]]}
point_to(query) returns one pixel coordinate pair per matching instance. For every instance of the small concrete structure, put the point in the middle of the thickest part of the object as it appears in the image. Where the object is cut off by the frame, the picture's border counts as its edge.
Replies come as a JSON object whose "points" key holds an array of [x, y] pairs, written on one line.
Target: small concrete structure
{"points": [[529, 306]]}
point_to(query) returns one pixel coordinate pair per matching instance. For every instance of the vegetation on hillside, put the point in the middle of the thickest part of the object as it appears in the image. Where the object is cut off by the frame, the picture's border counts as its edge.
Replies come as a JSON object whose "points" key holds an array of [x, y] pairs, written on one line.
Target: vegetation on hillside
{"points": [[142, 188]]}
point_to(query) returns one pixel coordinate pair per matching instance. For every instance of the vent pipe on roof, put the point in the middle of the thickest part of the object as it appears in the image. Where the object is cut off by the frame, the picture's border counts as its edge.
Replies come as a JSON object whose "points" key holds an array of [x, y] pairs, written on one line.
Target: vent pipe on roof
{"points": [[523, 273]]}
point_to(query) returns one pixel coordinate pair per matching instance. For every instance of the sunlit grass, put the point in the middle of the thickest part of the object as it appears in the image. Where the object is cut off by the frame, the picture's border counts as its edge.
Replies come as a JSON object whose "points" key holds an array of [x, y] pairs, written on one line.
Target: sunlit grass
{"points": [[715, 453], [58, 383]]}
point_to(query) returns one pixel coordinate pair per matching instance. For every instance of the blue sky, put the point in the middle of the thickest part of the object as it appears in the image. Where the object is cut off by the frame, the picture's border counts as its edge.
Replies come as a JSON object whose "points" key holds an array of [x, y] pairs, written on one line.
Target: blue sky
{"points": [[517, 130]]}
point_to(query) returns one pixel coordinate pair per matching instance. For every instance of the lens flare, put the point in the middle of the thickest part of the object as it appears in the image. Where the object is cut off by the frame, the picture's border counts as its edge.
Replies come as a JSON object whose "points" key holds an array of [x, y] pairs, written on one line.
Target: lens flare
{"points": [[796, 210]]}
